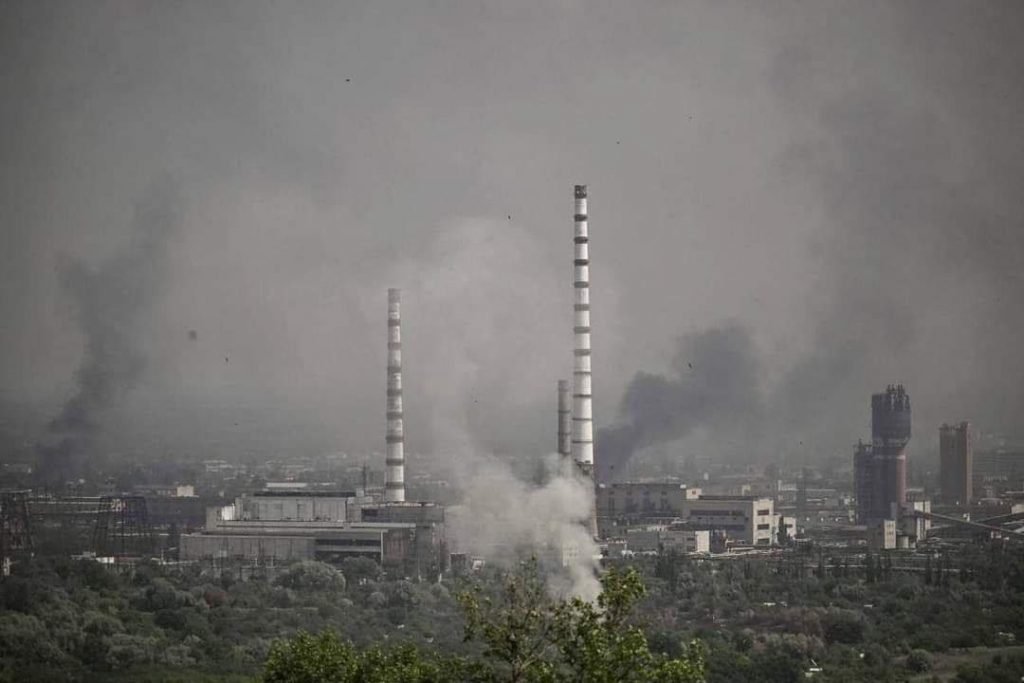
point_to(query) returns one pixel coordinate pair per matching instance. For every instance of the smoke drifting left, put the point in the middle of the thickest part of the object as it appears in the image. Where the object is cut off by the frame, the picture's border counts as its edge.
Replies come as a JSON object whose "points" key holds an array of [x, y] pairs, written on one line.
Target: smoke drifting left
{"points": [[109, 301], [714, 379]]}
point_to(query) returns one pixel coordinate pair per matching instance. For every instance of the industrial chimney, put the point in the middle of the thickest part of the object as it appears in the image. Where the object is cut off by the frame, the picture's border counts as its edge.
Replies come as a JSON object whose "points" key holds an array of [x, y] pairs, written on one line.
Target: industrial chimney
{"points": [[582, 412], [564, 420], [582, 390], [394, 477]]}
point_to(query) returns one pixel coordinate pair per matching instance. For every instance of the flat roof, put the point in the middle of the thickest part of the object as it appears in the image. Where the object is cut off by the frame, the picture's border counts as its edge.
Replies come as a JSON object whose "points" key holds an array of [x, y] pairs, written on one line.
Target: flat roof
{"points": [[303, 493]]}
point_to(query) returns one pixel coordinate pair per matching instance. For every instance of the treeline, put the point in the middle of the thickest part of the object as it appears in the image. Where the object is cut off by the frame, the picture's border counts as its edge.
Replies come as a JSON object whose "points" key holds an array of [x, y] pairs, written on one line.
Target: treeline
{"points": [[881, 617], [838, 616], [64, 620]]}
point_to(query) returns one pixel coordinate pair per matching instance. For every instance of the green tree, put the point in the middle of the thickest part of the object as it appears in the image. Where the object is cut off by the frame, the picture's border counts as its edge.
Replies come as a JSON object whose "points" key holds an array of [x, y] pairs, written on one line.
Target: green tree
{"points": [[527, 637], [325, 657], [919, 661], [312, 575], [533, 637]]}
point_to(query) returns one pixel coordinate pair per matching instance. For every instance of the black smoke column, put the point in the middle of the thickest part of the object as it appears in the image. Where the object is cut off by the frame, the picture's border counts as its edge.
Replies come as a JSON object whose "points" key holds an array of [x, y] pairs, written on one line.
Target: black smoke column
{"points": [[109, 301], [714, 381]]}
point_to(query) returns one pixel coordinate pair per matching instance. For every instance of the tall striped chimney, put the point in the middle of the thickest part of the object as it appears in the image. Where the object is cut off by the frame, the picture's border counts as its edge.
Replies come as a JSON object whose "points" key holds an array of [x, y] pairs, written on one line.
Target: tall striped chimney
{"points": [[564, 419], [394, 475], [582, 397]]}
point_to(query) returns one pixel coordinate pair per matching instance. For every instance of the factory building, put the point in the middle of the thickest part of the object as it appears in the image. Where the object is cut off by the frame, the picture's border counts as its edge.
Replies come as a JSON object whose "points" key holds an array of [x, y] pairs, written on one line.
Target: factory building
{"points": [[264, 542], [643, 499], [956, 463], [882, 535], [430, 550], [300, 505], [1000, 464], [683, 539], [296, 523], [631, 507], [747, 519], [880, 469]]}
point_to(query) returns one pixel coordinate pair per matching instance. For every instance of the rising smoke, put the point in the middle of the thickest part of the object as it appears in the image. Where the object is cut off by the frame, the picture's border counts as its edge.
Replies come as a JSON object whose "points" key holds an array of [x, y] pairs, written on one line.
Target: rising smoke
{"points": [[506, 519], [714, 382], [110, 300], [481, 289], [915, 157]]}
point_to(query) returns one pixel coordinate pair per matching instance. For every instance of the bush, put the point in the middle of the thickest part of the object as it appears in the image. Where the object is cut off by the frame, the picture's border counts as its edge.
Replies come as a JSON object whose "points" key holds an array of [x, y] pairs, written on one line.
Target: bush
{"points": [[312, 575], [919, 661]]}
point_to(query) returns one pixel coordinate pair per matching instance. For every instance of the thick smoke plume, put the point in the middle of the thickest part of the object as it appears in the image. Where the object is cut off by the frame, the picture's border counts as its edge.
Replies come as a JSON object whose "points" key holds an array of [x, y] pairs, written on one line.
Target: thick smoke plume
{"points": [[505, 519], [714, 380], [110, 300], [912, 154]]}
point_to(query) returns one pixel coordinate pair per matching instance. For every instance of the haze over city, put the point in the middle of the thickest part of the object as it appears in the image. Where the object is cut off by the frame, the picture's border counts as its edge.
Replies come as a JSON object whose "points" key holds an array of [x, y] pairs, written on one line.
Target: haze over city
{"points": [[528, 342], [832, 185]]}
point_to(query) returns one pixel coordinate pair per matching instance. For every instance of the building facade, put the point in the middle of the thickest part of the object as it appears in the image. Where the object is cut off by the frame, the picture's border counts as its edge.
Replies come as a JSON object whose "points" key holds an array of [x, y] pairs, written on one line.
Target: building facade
{"points": [[748, 519], [683, 539], [644, 499], [956, 463], [299, 506]]}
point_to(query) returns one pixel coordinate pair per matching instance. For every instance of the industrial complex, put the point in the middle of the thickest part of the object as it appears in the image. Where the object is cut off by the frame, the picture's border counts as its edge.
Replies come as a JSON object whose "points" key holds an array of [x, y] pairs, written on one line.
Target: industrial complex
{"points": [[337, 510]]}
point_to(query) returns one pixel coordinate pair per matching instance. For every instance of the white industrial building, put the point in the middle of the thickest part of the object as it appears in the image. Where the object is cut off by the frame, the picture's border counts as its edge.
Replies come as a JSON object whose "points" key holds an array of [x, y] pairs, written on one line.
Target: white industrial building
{"points": [[286, 524], [747, 519], [305, 505], [683, 539], [644, 499]]}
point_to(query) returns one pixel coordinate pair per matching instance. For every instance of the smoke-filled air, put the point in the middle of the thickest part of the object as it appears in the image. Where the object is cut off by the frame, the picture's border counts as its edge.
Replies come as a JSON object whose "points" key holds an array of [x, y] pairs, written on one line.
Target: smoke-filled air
{"points": [[110, 302], [484, 340], [854, 209]]}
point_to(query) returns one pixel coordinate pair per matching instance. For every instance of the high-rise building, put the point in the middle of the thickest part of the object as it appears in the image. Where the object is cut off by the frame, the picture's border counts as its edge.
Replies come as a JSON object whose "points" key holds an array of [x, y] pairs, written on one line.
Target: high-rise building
{"points": [[863, 480], [956, 460]]}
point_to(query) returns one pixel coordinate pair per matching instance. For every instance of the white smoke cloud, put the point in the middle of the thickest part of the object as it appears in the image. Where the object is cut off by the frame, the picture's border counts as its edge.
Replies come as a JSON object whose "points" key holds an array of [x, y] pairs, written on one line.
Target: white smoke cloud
{"points": [[486, 332], [504, 518]]}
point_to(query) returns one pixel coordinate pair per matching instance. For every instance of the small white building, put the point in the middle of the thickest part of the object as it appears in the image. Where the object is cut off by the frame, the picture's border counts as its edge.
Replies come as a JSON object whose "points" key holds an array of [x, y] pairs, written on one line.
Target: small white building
{"points": [[683, 539], [882, 536]]}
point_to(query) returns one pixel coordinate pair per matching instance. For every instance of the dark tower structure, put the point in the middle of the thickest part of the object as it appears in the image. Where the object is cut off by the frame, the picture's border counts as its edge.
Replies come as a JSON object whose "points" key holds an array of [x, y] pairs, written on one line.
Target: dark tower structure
{"points": [[863, 480], [801, 493], [890, 434], [122, 527], [956, 459], [15, 534], [880, 468]]}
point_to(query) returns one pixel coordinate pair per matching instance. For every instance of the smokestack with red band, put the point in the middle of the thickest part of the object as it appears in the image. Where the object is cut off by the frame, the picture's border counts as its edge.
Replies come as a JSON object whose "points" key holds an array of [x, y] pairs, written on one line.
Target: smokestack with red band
{"points": [[564, 420], [394, 476], [582, 413]]}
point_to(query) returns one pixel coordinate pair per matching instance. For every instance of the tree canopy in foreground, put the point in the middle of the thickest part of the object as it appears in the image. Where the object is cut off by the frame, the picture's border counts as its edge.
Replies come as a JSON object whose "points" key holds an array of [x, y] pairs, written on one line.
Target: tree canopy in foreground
{"points": [[525, 636]]}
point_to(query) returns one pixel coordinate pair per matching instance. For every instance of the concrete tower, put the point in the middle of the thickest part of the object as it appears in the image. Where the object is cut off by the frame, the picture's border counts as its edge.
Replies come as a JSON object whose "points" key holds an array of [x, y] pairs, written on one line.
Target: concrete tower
{"points": [[394, 476], [564, 419], [582, 396], [890, 434]]}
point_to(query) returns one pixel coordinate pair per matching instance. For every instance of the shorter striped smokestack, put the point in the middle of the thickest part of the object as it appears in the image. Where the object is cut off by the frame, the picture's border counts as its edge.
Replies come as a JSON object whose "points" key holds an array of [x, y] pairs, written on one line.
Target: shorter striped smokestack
{"points": [[564, 419], [394, 475]]}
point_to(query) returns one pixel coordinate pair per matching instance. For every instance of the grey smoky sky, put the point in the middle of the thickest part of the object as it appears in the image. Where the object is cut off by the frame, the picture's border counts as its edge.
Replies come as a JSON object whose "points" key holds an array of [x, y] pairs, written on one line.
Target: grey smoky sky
{"points": [[837, 181]]}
